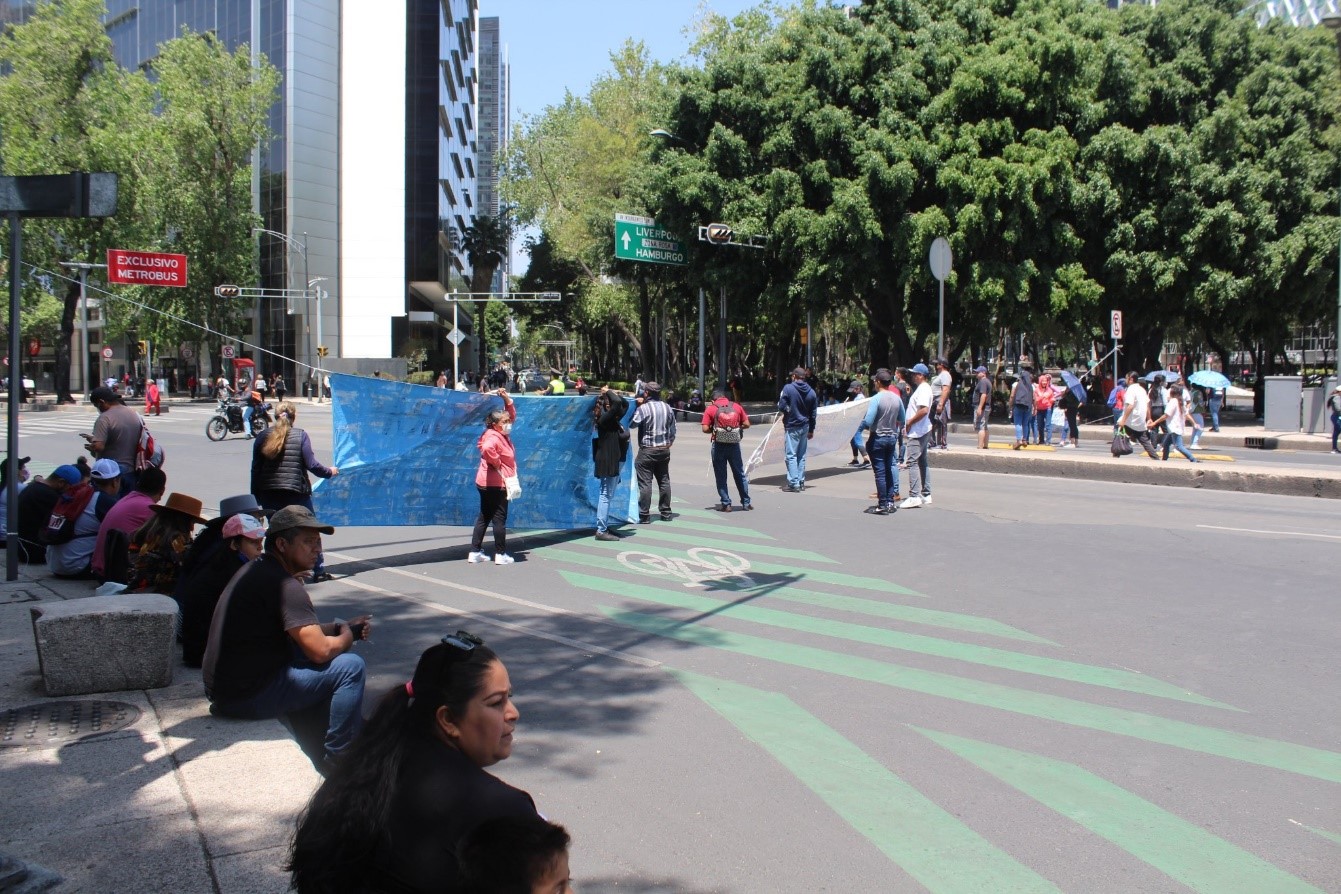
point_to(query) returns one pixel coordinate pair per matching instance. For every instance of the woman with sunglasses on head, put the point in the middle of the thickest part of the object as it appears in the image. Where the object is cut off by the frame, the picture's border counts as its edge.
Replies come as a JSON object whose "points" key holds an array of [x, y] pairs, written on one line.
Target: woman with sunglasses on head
{"points": [[412, 786]]}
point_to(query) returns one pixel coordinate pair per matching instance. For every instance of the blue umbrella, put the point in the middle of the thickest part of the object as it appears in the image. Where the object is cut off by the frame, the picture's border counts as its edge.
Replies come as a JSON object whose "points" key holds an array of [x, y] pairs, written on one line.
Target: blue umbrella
{"points": [[1074, 384], [1209, 378]]}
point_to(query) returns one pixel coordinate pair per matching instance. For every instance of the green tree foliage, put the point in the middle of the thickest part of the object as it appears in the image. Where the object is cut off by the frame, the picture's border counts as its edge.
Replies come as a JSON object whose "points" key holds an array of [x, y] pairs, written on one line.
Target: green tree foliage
{"points": [[486, 243], [180, 140]]}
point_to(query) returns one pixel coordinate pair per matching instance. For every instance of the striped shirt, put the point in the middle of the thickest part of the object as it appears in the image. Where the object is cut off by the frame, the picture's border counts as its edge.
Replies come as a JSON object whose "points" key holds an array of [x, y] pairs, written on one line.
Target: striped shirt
{"points": [[656, 424]]}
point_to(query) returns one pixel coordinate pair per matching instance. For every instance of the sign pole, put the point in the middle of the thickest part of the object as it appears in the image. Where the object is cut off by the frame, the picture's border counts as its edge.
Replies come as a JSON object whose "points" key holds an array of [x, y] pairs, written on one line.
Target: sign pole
{"points": [[456, 346], [15, 389], [83, 324], [702, 320]]}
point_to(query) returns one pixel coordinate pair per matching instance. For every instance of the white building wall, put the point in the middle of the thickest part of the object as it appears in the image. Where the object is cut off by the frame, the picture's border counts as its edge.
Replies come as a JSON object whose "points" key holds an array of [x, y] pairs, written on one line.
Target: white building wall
{"points": [[372, 176]]}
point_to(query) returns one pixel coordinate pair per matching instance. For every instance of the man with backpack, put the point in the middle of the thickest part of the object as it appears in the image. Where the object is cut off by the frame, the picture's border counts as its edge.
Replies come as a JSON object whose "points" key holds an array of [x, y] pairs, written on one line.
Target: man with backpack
{"points": [[725, 421], [72, 529], [116, 434]]}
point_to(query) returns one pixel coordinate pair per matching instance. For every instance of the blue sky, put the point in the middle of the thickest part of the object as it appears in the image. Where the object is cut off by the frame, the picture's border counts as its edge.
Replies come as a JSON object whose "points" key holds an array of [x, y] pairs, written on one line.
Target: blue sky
{"points": [[555, 45]]}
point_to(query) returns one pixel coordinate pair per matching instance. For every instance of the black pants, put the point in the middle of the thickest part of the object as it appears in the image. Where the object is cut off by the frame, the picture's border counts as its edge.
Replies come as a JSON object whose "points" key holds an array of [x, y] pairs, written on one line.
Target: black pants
{"points": [[1143, 438], [653, 462], [493, 508], [1073, 420]]}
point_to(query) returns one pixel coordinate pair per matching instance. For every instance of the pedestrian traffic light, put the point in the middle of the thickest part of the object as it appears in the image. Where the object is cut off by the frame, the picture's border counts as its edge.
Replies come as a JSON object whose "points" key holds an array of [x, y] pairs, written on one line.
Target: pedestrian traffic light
{"points": [[227, 291]]}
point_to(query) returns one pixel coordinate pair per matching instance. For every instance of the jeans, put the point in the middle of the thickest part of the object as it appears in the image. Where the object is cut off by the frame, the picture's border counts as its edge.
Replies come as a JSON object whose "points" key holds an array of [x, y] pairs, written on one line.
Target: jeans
{"points": [[304, 684], [653, 462], [1175, 441], [493, 509], [858, 445], [1020, 416], [1216, 400], [724, 456], [919, 476], [274, 500], [1043, 422], [608, 486], [1336, 428], [882, 452], [246, 420], [798, 439], [1197, 429]]}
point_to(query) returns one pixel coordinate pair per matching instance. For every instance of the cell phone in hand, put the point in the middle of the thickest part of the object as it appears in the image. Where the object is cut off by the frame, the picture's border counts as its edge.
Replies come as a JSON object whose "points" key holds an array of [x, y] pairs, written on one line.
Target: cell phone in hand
{"points": [[358, 629]]}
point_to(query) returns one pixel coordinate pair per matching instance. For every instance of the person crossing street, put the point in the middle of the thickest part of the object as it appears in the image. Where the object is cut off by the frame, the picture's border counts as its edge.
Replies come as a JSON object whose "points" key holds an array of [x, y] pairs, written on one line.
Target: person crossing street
{"points": [[725, 421]]}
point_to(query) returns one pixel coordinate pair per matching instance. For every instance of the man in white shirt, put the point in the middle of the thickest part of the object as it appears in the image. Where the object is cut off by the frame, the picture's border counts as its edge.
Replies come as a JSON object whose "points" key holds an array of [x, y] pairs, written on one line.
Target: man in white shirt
{"points": [[1136, 414], [918, 427]]}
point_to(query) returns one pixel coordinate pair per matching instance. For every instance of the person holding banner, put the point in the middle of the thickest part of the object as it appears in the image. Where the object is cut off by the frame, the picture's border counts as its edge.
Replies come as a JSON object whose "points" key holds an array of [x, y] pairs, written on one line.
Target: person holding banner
{"points": [[498, 466]]}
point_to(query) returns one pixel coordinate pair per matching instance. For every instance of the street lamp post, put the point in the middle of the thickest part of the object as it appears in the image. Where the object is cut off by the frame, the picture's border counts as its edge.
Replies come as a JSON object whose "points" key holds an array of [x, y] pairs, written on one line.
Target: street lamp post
{"points": [[1333, 22], [301, 248], [83, 267]]}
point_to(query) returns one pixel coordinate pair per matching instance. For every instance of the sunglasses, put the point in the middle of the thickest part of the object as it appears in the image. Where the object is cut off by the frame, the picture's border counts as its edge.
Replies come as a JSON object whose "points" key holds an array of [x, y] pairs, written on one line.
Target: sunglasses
{"points": [[462, 644]]}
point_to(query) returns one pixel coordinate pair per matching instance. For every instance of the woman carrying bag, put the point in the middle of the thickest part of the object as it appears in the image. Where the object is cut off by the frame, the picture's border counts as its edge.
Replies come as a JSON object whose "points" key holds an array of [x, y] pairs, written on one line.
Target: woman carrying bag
{"points": [[496, 480]]}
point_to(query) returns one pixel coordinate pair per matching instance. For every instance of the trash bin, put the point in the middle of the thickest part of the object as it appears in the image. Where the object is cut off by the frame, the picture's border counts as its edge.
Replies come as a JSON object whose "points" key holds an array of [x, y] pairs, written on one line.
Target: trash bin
{"points": [[1317, 418], [1283, 394]]}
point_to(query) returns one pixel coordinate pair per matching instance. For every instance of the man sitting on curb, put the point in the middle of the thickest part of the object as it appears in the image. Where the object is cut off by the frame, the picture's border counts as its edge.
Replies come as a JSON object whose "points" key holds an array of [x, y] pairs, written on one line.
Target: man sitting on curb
{"points": [[250, 668]]}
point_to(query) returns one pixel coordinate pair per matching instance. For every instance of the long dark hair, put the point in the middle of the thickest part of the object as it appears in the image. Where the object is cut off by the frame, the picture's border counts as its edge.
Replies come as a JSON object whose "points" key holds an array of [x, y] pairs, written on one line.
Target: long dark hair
{"points": [[345, 823]]}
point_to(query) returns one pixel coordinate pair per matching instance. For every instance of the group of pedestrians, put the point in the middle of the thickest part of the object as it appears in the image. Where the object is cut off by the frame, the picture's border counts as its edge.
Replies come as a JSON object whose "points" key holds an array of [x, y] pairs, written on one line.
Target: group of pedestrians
{"points": [[1162, 411]]}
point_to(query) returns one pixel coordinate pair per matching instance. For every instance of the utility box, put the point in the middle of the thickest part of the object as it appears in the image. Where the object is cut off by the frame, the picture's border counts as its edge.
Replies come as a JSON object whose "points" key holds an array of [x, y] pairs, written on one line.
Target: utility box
{"points": [[1316, 416], [1283, 395]]}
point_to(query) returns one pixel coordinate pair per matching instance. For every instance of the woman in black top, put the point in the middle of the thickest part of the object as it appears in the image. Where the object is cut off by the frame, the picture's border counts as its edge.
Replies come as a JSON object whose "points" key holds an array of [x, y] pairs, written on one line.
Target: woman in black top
{"points": [[393, 811], [280, 461]]}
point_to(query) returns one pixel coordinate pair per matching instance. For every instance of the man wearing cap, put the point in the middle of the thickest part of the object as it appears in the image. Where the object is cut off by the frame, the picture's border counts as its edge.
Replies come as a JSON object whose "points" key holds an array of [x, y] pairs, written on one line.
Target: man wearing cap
{"points": [[655, 422], [800, 410], [116, 434], [36, 502], [74, 557], [264, 619], [941, 385], [918, 428], [982, 406], [130, 512]]}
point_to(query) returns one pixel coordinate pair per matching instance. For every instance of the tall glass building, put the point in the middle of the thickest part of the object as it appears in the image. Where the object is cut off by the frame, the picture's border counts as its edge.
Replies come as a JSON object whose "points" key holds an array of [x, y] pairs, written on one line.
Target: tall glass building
{"points": [[372, 170]]}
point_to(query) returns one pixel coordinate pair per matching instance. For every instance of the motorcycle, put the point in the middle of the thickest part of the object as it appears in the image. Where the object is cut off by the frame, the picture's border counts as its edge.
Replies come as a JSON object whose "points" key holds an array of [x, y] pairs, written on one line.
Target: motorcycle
{"points": [[227, 419]]}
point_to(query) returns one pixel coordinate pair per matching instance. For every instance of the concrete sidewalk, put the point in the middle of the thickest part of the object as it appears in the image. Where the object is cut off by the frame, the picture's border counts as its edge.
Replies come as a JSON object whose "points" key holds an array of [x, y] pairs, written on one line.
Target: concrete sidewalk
{"points": [[175, 800]]}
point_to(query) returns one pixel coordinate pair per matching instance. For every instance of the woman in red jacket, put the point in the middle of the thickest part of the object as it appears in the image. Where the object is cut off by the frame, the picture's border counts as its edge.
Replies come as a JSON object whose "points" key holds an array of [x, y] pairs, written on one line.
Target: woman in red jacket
{"points": [[498, 461]]}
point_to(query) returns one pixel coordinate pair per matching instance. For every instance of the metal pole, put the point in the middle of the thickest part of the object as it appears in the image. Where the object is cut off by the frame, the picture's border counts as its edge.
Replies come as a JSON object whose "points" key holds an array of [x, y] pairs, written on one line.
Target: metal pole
{"points": [[721, 342], [1116, 376], [702, 319], [1337, 346], [456, 346], [307, 295], [940, 332], [321, 388], [810, 341], [15, 389], [83, 324]]}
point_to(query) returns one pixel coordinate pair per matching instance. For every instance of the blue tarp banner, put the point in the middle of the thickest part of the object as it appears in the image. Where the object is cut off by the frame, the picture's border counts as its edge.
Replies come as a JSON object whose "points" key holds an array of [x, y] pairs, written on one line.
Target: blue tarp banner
{"points": [[407, 456]]}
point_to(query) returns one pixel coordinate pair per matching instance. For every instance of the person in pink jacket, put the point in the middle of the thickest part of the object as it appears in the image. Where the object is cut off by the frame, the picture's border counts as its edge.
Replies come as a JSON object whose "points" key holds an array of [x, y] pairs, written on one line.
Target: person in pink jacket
{"points": [[498, 460]]}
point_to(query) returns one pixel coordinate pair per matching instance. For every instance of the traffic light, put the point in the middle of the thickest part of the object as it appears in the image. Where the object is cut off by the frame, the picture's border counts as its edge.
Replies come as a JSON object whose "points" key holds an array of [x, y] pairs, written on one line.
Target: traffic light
{"points": [[142, 350], [719, 234], [227, 291], [133, 349], [322, 350], [805, 335]]}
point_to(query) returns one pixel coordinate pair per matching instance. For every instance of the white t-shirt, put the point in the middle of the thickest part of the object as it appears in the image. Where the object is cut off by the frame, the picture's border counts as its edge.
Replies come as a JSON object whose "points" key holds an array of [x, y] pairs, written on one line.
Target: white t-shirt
{"points": [[939, 383], [1138, 402], [1174, 410], [921, 398]]}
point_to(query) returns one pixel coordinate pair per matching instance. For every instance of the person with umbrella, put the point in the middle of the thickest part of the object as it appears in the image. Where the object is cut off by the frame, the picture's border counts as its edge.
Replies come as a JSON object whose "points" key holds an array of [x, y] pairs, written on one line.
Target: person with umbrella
{"points": [[1216, 384]]}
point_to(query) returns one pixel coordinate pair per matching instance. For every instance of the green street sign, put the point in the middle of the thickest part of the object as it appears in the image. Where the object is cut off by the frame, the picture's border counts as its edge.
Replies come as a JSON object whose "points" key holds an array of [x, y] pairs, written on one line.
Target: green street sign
{"points": [[640, 239]]}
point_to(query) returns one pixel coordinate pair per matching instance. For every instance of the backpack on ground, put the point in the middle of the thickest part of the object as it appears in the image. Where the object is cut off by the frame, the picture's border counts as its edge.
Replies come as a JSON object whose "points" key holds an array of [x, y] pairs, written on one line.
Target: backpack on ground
{"points": [[726, 424], [61, 525], [147, 452]]}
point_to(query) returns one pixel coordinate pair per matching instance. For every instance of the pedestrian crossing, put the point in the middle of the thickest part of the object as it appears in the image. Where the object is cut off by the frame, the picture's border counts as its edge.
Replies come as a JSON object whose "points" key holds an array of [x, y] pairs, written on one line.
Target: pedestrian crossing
{"points": [[59, 422]]}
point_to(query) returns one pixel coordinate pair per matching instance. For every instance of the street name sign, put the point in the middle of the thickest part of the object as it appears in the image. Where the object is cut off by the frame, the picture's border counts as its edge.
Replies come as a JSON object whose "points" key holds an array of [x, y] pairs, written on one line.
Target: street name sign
{"points": [[145, 268], [640, 239]]}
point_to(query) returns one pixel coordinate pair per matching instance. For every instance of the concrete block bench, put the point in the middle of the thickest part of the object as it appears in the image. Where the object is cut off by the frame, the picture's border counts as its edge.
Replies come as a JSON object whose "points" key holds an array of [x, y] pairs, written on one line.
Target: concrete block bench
{"points": [[106, 643]]}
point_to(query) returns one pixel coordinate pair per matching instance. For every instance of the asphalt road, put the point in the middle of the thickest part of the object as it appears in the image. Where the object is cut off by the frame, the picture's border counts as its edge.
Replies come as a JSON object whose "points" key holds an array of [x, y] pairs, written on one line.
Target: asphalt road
{"points": [[1032, 685]]}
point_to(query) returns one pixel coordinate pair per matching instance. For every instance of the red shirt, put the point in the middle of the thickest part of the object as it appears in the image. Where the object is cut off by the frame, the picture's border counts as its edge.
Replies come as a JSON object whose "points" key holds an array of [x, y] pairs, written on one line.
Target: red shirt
{"points": [[710, 414]]}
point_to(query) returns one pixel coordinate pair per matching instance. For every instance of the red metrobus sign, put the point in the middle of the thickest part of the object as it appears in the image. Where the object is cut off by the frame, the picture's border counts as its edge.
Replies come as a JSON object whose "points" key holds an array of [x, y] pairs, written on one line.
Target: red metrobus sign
{"points": [[145, 268]]}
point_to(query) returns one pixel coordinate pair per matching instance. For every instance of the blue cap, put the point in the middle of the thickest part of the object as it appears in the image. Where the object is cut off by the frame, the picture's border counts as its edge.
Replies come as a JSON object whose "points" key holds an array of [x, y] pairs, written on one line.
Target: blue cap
{"points": [[68, 474], [921, 369], [981, 369]]}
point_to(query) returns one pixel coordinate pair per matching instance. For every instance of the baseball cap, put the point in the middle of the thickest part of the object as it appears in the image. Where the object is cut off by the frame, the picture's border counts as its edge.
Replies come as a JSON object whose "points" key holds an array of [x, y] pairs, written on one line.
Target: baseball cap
{"points": [[883, 377], [920, 369], [103, 393], [243, 526], [981, 369], [291, 517], [67, 473], [105, 470]]}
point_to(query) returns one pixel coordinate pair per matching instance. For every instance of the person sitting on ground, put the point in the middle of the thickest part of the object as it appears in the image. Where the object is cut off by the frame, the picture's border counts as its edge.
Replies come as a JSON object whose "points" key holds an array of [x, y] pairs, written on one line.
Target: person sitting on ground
{"points": [[36, 503], [516, 855], [392, 813], [158, 545], [209, 539], [129, 514], [267, 654], [200, 590], [4, 492], [93, 501]]}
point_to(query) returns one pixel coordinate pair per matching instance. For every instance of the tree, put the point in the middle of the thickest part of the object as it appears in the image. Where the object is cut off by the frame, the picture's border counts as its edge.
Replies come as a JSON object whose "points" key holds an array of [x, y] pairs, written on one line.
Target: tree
{"points": [[486, 242]]}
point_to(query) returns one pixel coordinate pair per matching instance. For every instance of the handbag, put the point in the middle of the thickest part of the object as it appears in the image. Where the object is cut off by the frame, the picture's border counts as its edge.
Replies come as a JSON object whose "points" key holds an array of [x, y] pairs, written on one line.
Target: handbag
{"points": [[1121, 444], [513, 485]]}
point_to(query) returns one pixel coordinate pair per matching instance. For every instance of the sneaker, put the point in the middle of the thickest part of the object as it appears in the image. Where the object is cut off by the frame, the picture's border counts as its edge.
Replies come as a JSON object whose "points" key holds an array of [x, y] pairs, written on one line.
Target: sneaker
{"points": [[503, 559], [667, 517], [1197, 447], [1336, 451], [607, 537], [321, 578], [855, 463], [645, 520], [1063, 445], [890, 508], [476, 558], [926, 501], [911, 503], [748, 507], [865, 464], [876, 510], [724, 507]]}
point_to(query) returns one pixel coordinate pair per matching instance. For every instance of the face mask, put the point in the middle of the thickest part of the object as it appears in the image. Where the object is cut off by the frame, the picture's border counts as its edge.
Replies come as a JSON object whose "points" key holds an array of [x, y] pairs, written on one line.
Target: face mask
{"points": [[507, 428]]}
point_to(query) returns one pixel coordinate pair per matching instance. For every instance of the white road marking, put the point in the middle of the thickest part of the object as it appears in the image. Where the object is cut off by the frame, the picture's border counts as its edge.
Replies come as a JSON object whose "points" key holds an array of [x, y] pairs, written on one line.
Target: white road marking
{"points": [[506, 625], [1278, 533]]}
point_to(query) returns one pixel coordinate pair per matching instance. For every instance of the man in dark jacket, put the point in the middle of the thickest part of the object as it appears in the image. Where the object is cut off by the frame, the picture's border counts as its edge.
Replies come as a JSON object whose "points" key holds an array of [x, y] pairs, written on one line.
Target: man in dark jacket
{"points": [[609, 450], [36, 502], [800, 412]]}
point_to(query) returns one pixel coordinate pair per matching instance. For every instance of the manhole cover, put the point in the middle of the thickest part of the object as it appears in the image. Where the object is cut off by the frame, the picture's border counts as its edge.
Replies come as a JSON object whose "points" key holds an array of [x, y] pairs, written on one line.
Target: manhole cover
{"points": [[54, 723]]}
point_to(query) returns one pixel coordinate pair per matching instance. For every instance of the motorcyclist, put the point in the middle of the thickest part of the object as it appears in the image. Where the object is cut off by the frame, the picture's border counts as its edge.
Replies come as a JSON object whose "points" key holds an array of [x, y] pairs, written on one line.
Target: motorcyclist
{"points": [[254, 400]]}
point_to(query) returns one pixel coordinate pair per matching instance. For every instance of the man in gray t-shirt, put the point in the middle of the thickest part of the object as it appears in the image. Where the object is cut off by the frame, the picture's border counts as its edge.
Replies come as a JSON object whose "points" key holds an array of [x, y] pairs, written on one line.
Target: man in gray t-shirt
{"points": [[116, 434]]}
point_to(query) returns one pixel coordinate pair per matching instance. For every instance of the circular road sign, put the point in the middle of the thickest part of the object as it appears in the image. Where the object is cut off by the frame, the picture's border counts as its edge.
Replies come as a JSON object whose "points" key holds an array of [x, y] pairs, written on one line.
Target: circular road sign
{"points": [[228, 352], [187, 353], [940, 259], [106, 352]]}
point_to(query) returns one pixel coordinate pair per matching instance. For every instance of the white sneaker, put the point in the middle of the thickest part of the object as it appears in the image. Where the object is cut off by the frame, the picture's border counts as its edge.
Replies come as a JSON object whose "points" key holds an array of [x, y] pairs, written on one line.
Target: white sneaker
{"points": [[503, 559], [476, 558], [911, 503], [926, 501]]}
